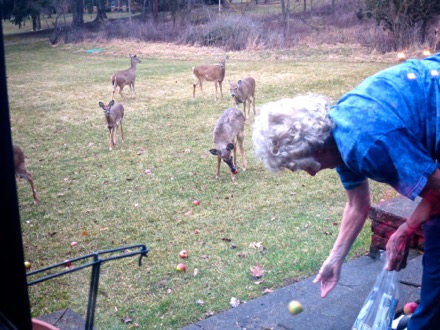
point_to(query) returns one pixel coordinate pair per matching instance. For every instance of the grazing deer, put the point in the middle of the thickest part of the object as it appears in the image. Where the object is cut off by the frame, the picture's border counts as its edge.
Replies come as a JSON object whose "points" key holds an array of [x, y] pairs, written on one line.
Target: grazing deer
{"points": [[114, 114], [209, 72], [229, 128], [242, 92], [126, 77], [21, 171]]}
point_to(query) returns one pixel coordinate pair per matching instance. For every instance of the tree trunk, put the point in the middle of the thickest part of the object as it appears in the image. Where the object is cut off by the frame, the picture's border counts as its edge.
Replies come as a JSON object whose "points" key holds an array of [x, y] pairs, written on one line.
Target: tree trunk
{"points": [[77, 13], [101, 15], [155, 11]]}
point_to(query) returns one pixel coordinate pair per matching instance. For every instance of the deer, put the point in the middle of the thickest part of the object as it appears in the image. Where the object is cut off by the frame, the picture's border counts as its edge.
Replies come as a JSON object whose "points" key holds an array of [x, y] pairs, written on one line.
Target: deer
{"points": [[209, 72], [125, 77], [242, 92], [229, 130], [21, 170], [114, 114]]}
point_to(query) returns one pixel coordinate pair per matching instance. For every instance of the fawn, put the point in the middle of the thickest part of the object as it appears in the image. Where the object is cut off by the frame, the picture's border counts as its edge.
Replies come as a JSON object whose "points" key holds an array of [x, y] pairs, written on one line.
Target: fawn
{"points": [[242, 92], [114, 114], [229, 128]]}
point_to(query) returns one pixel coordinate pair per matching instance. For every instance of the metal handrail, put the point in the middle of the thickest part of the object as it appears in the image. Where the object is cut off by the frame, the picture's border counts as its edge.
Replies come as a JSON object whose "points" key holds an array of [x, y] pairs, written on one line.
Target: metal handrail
{"points": [[96, 266]]}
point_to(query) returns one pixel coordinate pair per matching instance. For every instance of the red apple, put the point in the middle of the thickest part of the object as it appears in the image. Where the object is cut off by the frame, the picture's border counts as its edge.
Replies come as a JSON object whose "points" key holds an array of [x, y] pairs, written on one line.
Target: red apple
{"points": [[183, 254], [295, 307], [73, 244], [410, 308], [27, 265], [196, 202], [68, 263], [181, 268]]}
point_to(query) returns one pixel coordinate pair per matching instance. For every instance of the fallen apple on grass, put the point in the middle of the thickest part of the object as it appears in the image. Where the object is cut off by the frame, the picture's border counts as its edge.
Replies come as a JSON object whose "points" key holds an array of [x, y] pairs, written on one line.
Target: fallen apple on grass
{"points": [[27, 265], [68, 264], [183, 254], [196, 202], [410, 307], [295, 307], [181, 267]]}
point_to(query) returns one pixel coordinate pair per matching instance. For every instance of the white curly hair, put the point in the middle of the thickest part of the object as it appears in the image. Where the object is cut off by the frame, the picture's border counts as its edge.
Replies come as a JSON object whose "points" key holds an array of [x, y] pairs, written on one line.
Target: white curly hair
{"points": [[288, 132]]}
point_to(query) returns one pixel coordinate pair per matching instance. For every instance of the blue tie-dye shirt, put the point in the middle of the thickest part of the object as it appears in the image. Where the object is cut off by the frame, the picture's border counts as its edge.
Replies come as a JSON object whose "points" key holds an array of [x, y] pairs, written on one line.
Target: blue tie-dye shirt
{"points": [[388, 128]]}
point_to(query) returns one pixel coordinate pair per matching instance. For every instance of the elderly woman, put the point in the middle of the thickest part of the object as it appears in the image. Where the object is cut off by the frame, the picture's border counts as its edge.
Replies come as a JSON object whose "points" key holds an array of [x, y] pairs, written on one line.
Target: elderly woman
{"points": [[387, 129]]}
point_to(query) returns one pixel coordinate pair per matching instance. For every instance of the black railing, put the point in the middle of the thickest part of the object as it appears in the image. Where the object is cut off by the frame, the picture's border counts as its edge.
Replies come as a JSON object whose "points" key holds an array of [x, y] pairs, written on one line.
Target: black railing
{"points": [[95, 263]]}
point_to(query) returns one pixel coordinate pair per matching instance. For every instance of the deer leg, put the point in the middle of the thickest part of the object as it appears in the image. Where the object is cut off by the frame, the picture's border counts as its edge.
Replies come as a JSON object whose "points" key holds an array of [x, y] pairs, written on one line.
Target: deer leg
{"points": [[23, 173], [31, 182], [221, 92], [115, 134], [217, 174], [111, 139], [122, 134], [195, 86], [132, 90], [240, 139], [215, 84], [244, 110]]}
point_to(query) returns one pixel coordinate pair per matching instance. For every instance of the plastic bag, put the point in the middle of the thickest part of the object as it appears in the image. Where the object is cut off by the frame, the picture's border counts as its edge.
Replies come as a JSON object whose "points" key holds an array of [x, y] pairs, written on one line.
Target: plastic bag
{"points": [[379, 308]]}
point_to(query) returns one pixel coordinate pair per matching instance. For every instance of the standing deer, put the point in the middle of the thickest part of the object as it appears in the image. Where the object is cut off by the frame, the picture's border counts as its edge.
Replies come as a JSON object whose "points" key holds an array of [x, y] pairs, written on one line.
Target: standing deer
{"points": [[21, 171], [242, 92], [114, 114], [229, 128], [209, 72], [126, 77]]}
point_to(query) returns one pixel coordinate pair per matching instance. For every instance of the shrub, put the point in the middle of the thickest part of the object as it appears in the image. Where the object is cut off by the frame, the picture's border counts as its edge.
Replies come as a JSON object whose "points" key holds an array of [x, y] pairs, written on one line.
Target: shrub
{"points": [[229, 33]]}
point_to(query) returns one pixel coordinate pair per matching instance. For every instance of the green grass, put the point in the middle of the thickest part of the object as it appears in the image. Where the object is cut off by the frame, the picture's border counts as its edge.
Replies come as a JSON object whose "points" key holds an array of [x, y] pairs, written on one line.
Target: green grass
{"points": [[104, 199]]}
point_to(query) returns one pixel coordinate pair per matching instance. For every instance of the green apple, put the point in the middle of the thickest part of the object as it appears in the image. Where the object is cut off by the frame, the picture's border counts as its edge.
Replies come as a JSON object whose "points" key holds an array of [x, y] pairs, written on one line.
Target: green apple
{"points": [[295, 307]]}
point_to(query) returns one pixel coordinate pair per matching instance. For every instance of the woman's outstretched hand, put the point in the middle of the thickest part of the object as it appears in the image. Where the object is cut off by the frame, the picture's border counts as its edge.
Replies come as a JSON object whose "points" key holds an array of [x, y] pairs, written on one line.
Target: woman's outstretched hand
{"points": [[328, 276]]}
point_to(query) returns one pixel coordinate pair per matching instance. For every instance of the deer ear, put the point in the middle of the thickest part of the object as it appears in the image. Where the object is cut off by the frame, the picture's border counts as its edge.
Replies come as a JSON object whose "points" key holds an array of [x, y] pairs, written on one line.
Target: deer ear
{"points": [[111, 103], [101, 104], [230, 146], [215, 152], [239, 82]]}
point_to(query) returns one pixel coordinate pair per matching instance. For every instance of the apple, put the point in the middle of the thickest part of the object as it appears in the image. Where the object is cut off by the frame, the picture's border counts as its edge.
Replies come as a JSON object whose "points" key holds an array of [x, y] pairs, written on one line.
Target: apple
{"points": [[183, 254], [27, 265], [410, 308], [68, 263], [295, 307], [73, 244], [181, 267], [196, 202]]}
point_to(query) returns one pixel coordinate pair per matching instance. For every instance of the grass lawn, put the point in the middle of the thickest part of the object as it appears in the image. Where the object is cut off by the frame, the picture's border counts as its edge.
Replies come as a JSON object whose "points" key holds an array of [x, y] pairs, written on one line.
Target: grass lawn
{"points": [[143, 191]]}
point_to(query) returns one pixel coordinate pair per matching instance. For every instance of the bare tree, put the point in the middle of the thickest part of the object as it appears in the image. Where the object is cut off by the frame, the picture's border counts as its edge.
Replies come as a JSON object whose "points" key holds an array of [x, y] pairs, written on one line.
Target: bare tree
{"points": [[155, 11], [101, 15], [405, 19], [77, 13], [285, 9]]}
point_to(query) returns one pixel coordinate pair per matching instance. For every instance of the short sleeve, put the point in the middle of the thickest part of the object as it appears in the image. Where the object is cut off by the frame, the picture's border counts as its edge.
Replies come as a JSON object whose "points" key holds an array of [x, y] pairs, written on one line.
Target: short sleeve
{"points": [[397, 159]]}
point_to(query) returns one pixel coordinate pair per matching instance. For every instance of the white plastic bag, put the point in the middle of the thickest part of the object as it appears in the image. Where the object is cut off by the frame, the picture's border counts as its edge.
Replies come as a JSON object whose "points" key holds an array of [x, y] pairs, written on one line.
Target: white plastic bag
{"points": [[379, 308]]}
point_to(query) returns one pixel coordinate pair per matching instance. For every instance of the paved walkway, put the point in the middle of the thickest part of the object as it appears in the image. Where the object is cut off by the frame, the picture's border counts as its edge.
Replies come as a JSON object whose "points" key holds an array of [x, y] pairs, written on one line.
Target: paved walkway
{"points": [[336, 312]]}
